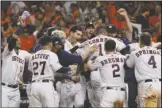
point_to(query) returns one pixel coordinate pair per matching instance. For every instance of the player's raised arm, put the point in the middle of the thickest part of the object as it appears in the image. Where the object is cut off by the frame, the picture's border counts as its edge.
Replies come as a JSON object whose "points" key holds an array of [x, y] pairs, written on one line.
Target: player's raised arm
{"points": [[90, 50], [11, 44]]}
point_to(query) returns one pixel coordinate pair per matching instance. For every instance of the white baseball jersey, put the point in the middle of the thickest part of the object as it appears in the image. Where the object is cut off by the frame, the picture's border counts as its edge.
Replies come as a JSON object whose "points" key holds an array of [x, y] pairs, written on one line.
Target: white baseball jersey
{"points": [[136, 46], [43, 64], [100, 41], [147, 63], [13, 65], [111, 69], [68, 45]]}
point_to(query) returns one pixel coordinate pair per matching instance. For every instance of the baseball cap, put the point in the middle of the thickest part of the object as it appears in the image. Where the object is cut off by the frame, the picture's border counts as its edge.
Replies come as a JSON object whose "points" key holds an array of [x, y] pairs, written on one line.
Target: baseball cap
{"points": [[57, 41], [89, 25], [111, 28]]}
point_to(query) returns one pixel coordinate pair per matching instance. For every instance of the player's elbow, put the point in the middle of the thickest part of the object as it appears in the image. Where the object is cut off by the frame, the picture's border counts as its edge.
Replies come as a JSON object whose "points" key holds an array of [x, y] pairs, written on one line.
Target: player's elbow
{"points": [[126, 66]]}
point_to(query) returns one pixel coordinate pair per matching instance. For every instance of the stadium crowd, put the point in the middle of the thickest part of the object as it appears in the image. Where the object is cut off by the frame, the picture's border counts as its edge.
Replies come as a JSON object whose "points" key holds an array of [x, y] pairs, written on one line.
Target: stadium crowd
{"points": [[123, 20]]}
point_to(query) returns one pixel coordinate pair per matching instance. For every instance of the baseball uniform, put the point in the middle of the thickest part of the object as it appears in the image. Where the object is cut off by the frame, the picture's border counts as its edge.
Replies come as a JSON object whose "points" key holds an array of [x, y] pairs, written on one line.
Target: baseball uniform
{"points": [[147, 63], [43, 64], [112, 79], [12, 71], [135, 46], [93, 86]]}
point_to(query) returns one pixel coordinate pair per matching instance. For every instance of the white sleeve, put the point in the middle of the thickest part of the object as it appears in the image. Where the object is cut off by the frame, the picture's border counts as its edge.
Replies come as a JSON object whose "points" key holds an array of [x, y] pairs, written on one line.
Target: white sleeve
{"points": [[119, 45], [27, 56], [29, 64], [93, 65], [130, 60], [6, 51], [54, 62], [156, 44]]}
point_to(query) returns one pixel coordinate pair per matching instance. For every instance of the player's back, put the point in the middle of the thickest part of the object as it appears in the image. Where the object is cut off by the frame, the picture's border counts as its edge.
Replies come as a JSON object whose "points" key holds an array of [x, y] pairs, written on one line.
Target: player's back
{"points": [[112, 71], [147, 63], [100, 41], [40, 65]]}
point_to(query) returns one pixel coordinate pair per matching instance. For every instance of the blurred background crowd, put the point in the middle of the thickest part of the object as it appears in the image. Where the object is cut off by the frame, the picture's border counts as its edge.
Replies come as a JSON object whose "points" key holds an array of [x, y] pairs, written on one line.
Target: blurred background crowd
{"points": [[89, 15], [65, 14]]}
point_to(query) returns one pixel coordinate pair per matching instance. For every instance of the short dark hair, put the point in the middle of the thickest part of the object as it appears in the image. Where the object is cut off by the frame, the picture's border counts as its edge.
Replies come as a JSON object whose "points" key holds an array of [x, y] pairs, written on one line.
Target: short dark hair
{"points": [[145, 39], [45, 40], [100, 29], [75, 28], [144, 9], [110, 45], [148, 31]]}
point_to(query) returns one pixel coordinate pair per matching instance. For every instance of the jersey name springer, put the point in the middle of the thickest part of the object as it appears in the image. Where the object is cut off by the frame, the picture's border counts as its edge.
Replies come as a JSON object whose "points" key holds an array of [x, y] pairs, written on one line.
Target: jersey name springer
{"points": [[147, 52]]}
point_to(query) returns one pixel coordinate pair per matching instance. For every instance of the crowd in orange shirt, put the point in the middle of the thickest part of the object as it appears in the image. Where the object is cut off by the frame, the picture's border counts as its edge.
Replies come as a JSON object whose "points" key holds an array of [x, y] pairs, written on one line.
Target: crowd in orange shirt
{"points": [[77, 13]]}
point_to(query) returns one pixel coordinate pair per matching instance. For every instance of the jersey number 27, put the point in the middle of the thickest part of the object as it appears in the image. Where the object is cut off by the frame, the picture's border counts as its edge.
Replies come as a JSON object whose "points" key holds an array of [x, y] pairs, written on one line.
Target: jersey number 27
{"points": [[37, 65]]}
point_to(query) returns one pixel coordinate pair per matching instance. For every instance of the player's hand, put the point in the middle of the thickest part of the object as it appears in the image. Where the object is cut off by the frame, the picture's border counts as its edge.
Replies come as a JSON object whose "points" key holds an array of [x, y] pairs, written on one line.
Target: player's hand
{"points": [[75, 78], [122, 12], [93, 48], [15, 36], [22, 23], [73, 69]]}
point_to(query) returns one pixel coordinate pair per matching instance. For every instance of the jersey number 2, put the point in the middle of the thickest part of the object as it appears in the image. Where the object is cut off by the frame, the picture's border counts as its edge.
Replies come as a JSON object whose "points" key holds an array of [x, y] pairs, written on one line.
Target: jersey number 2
{"points": [[37, 64], [152, 62], [117, 68]]}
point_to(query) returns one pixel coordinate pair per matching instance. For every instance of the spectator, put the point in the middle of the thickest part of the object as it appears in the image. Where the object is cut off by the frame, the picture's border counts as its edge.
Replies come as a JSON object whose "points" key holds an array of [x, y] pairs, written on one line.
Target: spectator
{"points": [[154, 23], [143, 18], [27, 41]]}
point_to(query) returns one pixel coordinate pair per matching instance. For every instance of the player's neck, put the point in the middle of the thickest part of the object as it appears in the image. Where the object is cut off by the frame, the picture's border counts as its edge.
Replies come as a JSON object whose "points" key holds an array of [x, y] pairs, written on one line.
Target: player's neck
{"points": [[17, 51], [45, 48], [70, 40], [110, 52]]}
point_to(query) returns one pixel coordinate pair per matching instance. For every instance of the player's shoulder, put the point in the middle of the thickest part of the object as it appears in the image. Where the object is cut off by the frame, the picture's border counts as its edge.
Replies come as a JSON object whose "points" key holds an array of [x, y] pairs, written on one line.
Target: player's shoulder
{"points": [[100, 58], [24, 52]]}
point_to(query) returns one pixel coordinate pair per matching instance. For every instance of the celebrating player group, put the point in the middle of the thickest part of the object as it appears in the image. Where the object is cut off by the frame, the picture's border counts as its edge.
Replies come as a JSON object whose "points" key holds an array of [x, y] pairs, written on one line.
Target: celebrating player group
{"points": [[67, 72]]}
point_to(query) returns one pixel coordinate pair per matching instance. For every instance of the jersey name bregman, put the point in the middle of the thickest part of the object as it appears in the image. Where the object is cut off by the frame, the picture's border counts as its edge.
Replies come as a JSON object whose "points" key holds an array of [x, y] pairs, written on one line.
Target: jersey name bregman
{"points": [[41, 56], [139, 53], [111, 60]]}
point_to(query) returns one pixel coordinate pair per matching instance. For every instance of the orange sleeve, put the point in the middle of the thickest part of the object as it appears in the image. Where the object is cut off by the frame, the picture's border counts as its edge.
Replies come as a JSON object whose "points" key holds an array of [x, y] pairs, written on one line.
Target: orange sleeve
{"points": [[55, 20]]}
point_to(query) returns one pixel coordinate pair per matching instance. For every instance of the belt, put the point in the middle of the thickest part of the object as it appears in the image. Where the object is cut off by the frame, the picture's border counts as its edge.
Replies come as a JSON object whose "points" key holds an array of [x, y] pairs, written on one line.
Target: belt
{"points": [[45, 80], [12, 86], [150, 80], [122, 89]]}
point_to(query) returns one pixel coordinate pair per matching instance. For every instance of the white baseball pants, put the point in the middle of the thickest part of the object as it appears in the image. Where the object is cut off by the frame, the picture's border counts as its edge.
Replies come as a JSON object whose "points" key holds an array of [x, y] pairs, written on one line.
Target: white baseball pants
{"points": [[10, 97]]}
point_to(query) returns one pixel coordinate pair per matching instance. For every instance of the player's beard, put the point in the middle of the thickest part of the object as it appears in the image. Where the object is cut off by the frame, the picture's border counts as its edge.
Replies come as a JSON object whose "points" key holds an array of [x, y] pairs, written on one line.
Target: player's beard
{"points": [[17, 47]]}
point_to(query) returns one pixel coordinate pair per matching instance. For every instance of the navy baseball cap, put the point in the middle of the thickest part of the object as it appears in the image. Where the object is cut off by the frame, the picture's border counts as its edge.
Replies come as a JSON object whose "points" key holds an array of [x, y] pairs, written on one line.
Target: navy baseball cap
{"points": [[57, 41], [111, 29], [89, 25]]}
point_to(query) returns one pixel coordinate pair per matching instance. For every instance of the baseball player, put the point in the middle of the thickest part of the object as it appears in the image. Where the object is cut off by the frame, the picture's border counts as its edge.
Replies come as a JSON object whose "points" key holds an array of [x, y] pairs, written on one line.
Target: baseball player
{"points": [[75, 35], [93, 87], [43, 64], [71, 93], [147, 63], [112, 75], [12, 71]]}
